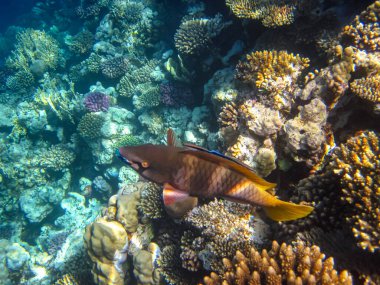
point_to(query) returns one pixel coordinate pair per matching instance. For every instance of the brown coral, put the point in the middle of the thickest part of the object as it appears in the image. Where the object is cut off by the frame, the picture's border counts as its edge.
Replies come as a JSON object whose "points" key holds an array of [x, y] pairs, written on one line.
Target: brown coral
{"points": [[357, 163], [364, 32], [271, 13], [229, 116], [282, 264], [367, 88], [151, 203]]}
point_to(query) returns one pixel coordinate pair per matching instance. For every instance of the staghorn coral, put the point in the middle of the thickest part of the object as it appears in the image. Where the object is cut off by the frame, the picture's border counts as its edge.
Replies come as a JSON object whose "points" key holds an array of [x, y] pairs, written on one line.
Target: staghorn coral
{"points": [[357, 164], [270, 13], [275, 73], [90, 126], [57, 157], [151, 203], [287, 264], [367, 88], [195, 35], [364, 32]]}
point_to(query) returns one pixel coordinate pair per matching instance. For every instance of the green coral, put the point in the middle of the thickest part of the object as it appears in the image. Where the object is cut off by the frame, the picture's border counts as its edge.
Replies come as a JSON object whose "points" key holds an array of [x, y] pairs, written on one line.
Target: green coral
{"points": [[127, 140], [34, 50], [22, 80], [90, 126], [147, 96], [57, 157]]}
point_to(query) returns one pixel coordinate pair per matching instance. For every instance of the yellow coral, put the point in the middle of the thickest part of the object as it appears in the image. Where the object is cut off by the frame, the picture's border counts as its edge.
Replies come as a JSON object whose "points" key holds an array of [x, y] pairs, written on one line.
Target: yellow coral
{"points": [[357, 162], [271, 13], [283, 264], [367, 88], [364, 32], [66, 279], [275, 72]]}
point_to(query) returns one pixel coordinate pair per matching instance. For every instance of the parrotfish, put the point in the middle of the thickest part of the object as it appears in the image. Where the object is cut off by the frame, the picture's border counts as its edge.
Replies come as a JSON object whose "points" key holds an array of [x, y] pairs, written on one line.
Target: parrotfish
{"points": [[189, 171]]}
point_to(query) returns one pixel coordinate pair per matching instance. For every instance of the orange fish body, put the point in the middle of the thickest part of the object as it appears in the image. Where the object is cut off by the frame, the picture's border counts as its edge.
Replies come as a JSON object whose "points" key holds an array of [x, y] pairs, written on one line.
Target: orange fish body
{"points": [[191, 171]]}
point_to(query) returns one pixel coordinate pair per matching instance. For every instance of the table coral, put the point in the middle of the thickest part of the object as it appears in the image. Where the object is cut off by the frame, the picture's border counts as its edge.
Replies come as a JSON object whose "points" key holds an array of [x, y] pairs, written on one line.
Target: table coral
{"points": [[357, 163], [271, 13], [288, 264]]}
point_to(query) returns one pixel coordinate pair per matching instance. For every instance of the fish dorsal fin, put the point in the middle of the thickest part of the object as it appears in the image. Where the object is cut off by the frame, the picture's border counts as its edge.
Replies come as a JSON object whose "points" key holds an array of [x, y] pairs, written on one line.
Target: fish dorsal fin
{"points": [[233, 165], [172, 139], [217, 153]]}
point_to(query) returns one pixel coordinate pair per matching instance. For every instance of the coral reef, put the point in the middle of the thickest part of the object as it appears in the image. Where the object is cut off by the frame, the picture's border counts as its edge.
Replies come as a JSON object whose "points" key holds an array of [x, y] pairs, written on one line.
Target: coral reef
{"points": [[96, 101], [195, 35], [357, 164], [290, 264], [57, 157], [367, 88], [90, 125], [270, 13]]}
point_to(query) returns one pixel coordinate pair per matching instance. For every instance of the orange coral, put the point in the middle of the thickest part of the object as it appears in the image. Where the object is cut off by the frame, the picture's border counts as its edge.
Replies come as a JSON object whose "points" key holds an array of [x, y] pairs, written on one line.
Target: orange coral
{"points": [[367, 88], [289, 264]]}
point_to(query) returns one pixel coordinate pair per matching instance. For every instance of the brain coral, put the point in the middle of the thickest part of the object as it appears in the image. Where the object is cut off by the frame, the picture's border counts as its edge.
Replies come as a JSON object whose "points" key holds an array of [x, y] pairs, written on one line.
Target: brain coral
{"points": [[357, 163], [283, 264], [195, 35]]}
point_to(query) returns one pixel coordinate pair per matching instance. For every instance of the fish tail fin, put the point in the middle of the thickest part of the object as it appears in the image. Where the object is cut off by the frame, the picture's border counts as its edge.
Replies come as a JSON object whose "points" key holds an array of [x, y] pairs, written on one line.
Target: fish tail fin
{"points": [[285, 211]]}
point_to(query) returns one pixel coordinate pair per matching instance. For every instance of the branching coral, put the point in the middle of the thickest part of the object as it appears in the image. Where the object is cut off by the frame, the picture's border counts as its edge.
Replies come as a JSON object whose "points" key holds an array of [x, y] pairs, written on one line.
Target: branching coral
{"points": [[222, 233], [195, 35], [115, 67], [81, 43], [151, 203], [282, 264], [364, 32], [67, 279], [272, 13], [274, 72], [367, 88], [357, 163], [90, 125], [57, 157]]}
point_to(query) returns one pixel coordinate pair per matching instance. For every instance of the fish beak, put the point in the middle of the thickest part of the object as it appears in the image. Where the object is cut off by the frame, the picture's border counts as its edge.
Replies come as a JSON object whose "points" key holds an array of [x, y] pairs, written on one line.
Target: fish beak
{"points": [[122, 158]]}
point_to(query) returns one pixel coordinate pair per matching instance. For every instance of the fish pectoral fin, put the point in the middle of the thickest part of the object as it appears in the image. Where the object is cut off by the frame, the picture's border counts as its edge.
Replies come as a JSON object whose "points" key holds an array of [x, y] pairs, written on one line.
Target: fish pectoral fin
{"points": [[177, 203], [171, 139], [286, 211]]}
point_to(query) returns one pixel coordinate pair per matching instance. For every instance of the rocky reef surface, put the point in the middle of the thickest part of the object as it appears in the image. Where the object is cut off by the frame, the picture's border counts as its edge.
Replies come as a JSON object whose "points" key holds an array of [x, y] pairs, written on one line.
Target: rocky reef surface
{"points": [[290, 88]]}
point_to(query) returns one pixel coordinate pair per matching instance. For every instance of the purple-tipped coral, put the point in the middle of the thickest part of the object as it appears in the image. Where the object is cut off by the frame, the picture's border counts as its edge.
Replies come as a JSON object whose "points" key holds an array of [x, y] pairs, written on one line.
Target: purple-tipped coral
{"points": [[96, 101], [175, 94]]}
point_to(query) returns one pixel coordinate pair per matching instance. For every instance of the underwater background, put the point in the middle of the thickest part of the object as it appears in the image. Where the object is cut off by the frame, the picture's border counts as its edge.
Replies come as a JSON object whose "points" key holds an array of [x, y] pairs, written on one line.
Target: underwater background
{"points": [[289, 87]]}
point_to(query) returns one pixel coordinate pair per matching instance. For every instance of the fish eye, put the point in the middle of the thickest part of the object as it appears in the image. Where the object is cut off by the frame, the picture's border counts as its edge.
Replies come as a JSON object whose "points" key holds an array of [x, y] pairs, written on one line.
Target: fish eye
{"points": [[145, 164]]}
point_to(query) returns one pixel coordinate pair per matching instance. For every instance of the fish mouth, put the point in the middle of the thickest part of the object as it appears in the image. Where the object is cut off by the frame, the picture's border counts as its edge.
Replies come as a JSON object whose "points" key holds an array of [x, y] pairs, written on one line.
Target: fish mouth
{"points": [[122, 158]]}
